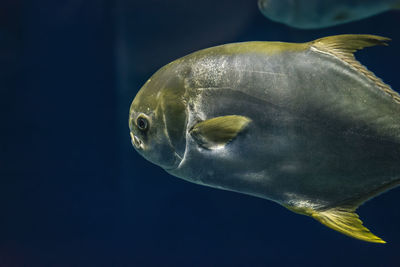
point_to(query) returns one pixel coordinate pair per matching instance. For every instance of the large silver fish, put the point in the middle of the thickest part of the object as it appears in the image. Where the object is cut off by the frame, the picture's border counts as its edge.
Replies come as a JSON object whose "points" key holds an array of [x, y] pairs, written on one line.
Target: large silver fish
{"points": [[301, 124], [314, 14]]}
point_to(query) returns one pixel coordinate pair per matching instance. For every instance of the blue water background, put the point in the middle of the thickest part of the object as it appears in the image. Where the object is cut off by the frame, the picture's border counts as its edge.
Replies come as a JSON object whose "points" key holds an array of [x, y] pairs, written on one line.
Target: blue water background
{"points": [[73, 192]]}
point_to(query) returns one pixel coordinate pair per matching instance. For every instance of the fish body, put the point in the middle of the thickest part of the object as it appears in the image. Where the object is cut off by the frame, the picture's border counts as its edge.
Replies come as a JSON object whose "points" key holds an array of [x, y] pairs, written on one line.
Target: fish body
{"points": [[314, 14], [304, 125]]}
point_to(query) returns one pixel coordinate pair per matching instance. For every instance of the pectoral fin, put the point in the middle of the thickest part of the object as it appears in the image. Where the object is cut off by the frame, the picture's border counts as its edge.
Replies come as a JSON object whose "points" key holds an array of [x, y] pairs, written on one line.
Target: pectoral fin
{"points": [[218, 131]]}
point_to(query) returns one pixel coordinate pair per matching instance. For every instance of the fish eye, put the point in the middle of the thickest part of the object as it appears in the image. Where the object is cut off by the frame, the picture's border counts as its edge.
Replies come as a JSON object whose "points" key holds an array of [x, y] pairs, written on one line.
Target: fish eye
{"points": [[142, 123]]}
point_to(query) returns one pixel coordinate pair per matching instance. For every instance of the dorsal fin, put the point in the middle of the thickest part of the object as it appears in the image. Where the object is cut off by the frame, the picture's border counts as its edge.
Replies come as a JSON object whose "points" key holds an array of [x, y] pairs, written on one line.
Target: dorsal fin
{"points": [[344, 46]]}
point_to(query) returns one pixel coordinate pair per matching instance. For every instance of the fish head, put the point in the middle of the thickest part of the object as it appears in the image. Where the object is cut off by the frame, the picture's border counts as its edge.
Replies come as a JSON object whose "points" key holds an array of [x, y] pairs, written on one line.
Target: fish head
{"points": [[158, 118]]}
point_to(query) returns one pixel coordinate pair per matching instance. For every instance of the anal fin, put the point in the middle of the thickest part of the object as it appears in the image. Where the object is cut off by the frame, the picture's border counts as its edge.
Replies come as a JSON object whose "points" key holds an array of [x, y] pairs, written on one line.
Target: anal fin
{"points": [[346, 222], [341, 219]]}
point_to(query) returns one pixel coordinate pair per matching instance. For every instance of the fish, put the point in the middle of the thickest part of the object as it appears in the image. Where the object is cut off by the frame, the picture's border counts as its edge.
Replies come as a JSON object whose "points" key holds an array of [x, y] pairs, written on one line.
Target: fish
{"points": [[304, 125], [316, 14]]}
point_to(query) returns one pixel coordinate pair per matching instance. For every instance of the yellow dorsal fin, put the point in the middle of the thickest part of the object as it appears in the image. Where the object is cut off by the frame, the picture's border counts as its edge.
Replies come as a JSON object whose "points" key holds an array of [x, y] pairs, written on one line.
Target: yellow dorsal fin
{"points": [[343, 47]]}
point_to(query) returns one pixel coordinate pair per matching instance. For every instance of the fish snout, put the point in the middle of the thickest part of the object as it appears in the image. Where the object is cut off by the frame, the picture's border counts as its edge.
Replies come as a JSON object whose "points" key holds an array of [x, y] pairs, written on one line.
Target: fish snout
{"points": [[136, 142]]}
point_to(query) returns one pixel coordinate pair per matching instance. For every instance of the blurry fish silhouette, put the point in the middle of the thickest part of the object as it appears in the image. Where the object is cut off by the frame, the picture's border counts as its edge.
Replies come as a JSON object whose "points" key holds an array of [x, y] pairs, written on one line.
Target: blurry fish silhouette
{"points": [[302, 124], [314, 14]]}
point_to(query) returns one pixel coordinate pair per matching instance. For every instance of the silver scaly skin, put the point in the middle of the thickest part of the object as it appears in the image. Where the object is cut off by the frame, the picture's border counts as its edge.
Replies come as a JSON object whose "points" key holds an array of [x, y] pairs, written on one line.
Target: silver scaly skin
{"points": [[322, 133]]}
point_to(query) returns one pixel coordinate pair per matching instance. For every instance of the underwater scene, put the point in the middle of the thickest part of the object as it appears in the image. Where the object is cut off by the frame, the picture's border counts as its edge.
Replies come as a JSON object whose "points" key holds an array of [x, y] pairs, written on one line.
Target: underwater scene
{"points": [[211, 133]]}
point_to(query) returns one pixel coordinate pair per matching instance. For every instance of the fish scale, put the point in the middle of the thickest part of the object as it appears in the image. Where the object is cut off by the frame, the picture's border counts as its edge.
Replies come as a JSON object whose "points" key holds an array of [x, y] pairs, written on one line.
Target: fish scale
{"points": [[304, 125]]}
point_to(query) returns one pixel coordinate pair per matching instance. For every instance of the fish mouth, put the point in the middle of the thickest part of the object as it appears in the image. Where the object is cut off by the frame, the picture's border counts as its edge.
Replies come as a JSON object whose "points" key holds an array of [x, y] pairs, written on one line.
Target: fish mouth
{"points": [[136, 142], [140, 147]]}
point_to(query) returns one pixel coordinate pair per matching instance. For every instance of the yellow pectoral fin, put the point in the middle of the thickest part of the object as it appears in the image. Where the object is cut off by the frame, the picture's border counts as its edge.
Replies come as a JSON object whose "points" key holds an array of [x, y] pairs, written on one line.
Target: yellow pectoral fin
{"points": [[218, 131], [346, 222]]}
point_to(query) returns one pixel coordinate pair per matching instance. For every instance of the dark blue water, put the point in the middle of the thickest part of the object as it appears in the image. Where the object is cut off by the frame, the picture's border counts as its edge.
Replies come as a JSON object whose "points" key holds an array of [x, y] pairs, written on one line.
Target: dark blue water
{"points": [[73, 192]]}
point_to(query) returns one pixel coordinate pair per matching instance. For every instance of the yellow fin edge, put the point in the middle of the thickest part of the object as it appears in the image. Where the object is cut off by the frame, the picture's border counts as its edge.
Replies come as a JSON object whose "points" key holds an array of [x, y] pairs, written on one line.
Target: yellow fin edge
{"points": [[343, 47], [343, 220]]}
